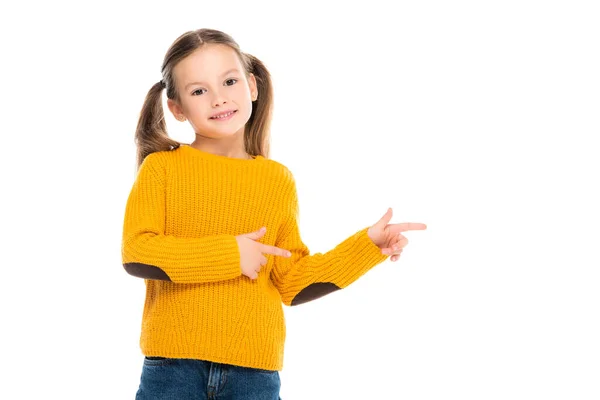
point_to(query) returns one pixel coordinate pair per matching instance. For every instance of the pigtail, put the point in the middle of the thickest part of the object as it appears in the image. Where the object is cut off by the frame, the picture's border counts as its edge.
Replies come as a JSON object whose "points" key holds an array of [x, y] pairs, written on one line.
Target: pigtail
{"points": [[258, 127], [151, 132]]}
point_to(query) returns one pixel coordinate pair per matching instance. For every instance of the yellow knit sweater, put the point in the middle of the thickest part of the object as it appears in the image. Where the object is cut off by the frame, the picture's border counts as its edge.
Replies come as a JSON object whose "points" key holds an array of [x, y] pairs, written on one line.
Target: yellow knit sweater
{"points": [[182, 215]]}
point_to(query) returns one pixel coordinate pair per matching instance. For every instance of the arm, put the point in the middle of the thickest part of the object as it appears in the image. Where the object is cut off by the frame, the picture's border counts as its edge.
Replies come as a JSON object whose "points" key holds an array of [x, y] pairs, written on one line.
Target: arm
{"points": [[150, 254], [304, 277]]}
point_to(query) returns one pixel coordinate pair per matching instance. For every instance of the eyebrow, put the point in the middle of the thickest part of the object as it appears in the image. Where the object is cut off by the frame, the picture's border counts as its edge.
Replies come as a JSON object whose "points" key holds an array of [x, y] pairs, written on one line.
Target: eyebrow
{"points": [[225, 73]]}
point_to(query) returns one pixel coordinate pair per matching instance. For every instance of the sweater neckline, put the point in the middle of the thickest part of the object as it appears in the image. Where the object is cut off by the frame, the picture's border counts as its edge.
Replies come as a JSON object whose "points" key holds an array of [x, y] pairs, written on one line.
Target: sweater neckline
{"points": [[218, 157]]}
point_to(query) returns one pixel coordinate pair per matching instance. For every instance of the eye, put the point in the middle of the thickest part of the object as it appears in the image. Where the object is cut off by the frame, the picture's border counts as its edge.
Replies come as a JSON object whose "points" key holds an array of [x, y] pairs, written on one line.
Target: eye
{"points": [[228, 80]]}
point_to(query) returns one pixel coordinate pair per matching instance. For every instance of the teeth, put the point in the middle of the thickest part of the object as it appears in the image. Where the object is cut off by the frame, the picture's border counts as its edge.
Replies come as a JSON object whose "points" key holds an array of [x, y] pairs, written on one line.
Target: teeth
{"points": [[225, 115]]}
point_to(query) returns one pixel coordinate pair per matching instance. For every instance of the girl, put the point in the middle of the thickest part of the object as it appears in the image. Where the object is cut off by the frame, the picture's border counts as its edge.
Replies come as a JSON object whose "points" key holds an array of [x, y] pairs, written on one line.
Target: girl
{"points": [[212, 228]]}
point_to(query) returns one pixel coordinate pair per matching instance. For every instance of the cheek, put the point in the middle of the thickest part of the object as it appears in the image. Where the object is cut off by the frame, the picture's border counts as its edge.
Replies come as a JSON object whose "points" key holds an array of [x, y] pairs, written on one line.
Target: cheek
{"points": [[243, 92]]}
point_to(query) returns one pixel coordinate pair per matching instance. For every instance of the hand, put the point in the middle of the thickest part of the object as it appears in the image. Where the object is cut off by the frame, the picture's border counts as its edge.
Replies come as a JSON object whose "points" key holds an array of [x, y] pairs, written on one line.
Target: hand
{"points": [[251, 257], [388, 237]]}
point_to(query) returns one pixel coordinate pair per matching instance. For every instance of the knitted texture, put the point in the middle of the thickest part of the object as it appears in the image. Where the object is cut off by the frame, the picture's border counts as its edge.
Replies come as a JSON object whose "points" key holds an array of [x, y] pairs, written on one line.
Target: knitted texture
{"points": [[182, 215]]}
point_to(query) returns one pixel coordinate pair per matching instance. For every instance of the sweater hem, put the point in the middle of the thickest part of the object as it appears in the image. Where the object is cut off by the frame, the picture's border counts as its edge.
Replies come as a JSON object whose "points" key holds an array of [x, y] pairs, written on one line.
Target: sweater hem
{"points": [[213, 358]]}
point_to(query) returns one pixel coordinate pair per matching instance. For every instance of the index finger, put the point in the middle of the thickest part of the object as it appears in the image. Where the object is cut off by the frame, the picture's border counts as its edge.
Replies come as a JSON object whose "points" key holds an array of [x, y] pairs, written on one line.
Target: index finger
{"points": [[411, 226], [275, 251]]}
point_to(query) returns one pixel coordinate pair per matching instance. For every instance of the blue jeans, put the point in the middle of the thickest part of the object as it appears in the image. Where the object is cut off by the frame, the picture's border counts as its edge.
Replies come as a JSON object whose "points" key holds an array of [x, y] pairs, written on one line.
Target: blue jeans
{"points": [[188, 379]]}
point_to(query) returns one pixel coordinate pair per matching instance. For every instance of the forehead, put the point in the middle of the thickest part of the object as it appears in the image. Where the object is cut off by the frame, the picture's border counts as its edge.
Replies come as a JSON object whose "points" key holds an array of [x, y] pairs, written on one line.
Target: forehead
{"points": [[206, 63]]}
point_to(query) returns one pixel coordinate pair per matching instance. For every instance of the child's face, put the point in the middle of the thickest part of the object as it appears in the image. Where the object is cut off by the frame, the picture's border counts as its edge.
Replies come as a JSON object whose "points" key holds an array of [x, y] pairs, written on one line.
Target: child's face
{"points": [[206, 87]]}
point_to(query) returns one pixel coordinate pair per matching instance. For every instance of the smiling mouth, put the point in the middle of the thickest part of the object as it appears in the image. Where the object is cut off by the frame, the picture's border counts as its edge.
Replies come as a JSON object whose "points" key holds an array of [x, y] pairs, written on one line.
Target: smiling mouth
{"points": [[226, 116]]}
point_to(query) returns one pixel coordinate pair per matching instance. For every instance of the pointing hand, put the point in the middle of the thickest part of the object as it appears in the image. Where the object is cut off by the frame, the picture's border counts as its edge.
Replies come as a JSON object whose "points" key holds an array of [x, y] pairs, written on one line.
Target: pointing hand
{"points": [[388, 237]]}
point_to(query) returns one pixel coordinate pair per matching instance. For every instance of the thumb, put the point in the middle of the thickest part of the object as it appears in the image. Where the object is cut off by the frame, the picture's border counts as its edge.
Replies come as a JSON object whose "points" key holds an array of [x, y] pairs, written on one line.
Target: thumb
{"points": [[256, 234], [385, 219]]}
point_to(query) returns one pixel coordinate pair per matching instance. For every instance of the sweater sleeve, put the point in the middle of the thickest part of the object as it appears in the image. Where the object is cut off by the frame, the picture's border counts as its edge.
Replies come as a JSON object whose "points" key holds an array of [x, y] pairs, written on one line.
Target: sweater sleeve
{"points": [[304, 277], [147, 252]]}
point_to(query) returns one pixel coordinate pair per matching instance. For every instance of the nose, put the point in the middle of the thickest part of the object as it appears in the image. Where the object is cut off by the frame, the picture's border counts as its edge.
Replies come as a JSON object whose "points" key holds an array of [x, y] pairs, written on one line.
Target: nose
{"points": [[218, 98]]}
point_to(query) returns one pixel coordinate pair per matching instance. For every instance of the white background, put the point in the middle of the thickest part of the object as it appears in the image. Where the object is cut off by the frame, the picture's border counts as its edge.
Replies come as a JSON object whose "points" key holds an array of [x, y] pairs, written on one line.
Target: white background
{"points": [[478, 118]]}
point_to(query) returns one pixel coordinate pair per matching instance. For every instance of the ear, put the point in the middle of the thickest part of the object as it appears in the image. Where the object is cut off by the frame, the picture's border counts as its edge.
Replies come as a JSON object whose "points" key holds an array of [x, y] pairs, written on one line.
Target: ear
{"points": [[175, 110], [253, 87]]}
